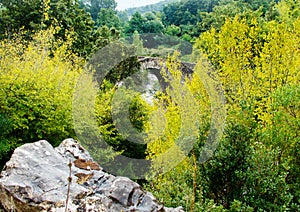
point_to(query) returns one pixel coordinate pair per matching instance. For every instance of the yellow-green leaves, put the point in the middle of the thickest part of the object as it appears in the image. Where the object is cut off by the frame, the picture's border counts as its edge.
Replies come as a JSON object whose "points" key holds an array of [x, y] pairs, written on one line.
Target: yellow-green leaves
{"points": [[37, 80], [253, 60], [259, 66], [179, 113]]}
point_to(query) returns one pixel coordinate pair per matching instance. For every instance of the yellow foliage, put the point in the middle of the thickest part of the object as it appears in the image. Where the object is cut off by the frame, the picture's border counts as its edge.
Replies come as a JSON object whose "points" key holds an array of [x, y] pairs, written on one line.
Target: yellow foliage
{"points": [[37, 79], [253, 60], [180, 112]]}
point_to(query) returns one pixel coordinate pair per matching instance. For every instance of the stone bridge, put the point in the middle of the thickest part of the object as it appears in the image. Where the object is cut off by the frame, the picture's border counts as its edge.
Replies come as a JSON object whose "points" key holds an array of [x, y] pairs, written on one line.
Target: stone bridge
{"points": [[156, 64]]}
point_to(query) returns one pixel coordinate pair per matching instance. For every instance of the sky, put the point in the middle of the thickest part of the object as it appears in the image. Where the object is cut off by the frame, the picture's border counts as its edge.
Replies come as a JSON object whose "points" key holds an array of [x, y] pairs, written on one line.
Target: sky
{"points": [[124, 4]]}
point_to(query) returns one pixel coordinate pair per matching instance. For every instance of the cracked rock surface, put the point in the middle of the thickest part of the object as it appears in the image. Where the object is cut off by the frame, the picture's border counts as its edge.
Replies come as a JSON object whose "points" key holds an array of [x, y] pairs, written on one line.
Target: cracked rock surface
{"points": [[36, 179]]}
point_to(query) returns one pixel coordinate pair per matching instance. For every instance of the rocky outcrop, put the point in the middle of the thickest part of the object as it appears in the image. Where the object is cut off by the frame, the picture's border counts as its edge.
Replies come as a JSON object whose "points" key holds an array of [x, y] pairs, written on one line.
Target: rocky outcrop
{"points": [[37, 179]]}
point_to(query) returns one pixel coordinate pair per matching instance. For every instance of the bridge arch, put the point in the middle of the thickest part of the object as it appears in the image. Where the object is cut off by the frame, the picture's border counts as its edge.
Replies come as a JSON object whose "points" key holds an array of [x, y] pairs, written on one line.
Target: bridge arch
{"points": [[155, 64]]}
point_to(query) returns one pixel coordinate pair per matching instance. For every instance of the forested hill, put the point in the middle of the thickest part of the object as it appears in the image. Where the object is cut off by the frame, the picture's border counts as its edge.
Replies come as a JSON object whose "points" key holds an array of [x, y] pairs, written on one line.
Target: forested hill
{"points": [[250, 48], [149, 8]]}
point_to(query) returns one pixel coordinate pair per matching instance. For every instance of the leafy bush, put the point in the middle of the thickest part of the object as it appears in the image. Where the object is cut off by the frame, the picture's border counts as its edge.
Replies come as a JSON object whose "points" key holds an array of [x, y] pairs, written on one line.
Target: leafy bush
{"points": [[282, 134], [244, 169], [7, 144], [36, 88], [138, 114]]}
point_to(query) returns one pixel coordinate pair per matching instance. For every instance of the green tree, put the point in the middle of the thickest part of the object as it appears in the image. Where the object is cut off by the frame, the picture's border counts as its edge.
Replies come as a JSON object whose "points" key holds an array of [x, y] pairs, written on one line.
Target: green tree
{"points": [[148, 23], [123, 16], [137, 43], [35, 15], [103, 36], [184, 12], [70, 18], [136, 23], [173, 30], [109, 18], [95, 6], [153, 24], [15, 15], [245, 170], [285, 109], [228, 9]]}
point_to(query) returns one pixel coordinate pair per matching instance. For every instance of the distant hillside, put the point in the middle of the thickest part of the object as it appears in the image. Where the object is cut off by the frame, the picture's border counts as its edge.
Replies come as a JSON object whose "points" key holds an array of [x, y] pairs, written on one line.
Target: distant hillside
{"points": [[149, 8]]}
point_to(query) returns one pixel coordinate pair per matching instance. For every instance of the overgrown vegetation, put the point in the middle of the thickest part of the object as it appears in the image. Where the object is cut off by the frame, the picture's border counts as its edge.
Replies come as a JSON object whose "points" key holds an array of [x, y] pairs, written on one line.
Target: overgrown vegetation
{"points": [[36, 88], [253, 46]]}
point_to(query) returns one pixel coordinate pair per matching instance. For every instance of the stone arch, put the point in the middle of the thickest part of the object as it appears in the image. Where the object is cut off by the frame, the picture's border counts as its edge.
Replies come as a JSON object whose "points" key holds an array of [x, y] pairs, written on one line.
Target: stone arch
{"points": [[156, 64]]}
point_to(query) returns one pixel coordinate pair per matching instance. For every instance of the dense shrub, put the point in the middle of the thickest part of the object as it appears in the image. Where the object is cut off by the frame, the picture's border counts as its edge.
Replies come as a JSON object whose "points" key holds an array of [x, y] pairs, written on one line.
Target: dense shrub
{"points": [[36, 86]]}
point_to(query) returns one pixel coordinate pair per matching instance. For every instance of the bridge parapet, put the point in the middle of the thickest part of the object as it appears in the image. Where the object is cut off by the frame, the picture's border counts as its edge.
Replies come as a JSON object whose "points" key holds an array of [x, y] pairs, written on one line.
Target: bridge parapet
{"points": [[159, 63], [156, 64]]}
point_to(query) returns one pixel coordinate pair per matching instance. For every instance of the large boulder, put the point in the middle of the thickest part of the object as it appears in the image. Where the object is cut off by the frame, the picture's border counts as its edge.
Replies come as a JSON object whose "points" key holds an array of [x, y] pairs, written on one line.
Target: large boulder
{"points": [[39, 177]]}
